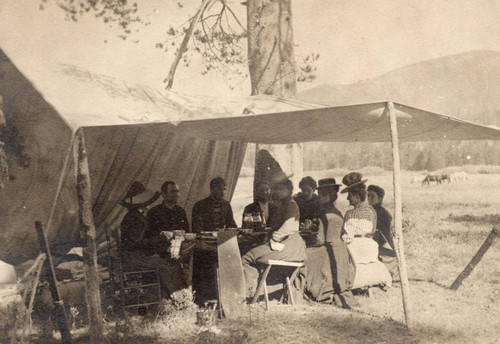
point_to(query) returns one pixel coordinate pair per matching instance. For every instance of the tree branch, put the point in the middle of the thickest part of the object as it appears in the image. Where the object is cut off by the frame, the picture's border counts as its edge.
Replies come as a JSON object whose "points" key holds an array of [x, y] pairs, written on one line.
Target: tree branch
{"points": [[234, 15], [169, 80]]}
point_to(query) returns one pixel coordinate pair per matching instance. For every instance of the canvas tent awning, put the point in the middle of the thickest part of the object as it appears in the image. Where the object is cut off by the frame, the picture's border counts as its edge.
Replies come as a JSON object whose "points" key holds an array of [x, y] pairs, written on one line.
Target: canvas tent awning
{"points": [[85, 99], [353, 123], [134, 132]]}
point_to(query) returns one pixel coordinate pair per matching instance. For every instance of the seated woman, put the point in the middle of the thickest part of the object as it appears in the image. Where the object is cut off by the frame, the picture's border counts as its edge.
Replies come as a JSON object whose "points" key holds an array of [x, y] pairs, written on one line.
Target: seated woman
{"points": [[330, 269], [285, 242], [383, 236], [359, 227], [308, 204]]}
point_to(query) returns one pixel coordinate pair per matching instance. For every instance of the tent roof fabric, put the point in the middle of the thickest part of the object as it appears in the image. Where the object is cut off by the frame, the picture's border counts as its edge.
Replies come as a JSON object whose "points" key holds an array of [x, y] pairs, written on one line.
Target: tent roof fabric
{"points": [[84, 99]]}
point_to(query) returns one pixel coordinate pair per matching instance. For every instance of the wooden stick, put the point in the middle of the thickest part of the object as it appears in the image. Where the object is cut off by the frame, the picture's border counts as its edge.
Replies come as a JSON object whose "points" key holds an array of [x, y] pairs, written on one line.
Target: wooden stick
{"points": [[492, 237], [34, 287], [50, 272], [169, 80], [398, 215], [88, 235]]}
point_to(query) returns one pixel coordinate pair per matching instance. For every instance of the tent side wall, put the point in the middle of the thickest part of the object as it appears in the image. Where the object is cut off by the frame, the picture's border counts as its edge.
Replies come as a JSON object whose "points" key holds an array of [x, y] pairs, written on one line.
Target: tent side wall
{"points": [[118, 156], [35, 131]]}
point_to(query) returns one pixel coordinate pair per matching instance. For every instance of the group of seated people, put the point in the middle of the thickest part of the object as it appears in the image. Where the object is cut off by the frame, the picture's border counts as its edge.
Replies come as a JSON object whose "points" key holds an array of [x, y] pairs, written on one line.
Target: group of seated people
{"points": [[285, 214]]}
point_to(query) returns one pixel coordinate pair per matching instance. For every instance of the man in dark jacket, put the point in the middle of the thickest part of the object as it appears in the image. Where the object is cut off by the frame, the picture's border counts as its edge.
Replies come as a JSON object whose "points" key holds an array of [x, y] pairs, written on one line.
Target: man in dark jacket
{"points": [[209, 214], [266, 209], [168, 215], [214, 211]]}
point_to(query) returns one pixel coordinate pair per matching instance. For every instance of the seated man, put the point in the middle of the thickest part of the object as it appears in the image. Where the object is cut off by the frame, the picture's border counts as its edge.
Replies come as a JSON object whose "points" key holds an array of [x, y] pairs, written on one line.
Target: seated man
{"points": [[285, 243], [209, 214], [214, 211], [168, 215], [140, 253], [262, 204], [308, 203]]}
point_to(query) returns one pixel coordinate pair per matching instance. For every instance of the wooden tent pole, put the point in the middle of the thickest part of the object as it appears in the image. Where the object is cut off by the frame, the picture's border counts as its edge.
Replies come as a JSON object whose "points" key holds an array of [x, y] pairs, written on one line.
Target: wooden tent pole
{"points": [[88, 236], [398, 215], [490, 240]]}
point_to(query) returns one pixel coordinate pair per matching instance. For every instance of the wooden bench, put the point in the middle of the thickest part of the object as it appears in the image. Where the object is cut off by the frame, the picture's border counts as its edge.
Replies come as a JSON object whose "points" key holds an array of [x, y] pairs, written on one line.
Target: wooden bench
{"points": [[287, 285]]}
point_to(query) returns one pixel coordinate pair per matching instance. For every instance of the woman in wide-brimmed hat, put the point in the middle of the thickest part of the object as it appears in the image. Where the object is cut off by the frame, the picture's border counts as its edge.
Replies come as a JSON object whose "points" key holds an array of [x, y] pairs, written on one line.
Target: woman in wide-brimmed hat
{"points": [[329, 233], [361, 220], [359, 227]]}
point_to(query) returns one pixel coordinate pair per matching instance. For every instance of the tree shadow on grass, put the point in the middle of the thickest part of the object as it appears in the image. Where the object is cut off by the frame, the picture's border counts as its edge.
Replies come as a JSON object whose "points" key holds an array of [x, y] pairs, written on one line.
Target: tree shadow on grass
{"points": [[334, 325]]}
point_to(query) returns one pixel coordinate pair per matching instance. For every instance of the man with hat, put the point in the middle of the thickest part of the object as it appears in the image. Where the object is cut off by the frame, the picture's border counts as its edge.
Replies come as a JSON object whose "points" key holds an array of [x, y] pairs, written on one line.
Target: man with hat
{"points": [[285, 242], [329, 233], [360, 221]]}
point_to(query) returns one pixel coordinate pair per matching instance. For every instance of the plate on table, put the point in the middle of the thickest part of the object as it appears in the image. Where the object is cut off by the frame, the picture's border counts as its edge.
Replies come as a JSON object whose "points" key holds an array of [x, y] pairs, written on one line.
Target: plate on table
{"points": [[208, 235], [189, 236]]}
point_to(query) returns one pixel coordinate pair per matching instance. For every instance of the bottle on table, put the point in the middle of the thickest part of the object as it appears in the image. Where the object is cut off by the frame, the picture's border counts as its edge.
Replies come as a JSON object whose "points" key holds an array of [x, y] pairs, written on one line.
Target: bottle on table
{"points": [[257, 221], [247, 221]]}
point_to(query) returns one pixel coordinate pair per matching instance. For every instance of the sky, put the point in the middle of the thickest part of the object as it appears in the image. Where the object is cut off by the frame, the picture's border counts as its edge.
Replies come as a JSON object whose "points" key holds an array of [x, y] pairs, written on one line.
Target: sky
{"points": [[356, 39]]}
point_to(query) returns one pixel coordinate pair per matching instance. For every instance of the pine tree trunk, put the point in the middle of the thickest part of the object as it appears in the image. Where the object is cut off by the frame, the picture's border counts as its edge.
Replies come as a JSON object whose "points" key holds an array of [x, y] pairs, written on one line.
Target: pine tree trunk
{"points": [[272, 67]]}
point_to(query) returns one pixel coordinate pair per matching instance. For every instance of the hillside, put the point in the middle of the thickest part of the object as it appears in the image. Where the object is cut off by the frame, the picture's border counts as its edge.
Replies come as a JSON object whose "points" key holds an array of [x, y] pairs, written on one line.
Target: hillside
{"points": [[465, 85]]}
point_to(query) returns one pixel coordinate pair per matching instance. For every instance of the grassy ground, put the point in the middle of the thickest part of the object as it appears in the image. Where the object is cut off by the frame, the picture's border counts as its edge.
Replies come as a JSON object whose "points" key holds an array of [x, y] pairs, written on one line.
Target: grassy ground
{"points": [[444, 225]]}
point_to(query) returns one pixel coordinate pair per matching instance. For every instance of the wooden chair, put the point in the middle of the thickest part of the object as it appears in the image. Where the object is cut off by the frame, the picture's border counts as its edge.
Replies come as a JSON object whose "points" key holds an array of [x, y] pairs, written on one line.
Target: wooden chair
{"points": [[287, 287], [131, 288]]}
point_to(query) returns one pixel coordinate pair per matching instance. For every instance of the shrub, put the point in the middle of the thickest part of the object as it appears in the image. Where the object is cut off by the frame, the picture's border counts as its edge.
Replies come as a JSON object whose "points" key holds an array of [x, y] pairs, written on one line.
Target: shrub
{"points": [[13, 321]]}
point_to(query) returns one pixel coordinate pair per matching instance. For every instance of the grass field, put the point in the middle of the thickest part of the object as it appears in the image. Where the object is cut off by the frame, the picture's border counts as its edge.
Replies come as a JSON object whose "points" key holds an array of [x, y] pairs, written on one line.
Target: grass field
{"points": [[444, 225]]}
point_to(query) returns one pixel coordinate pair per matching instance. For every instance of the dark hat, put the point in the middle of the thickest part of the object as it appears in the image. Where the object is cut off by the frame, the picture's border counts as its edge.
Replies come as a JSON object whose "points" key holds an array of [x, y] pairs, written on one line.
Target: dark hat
{"points": [[135, 189], [378, 190], [326, 182], [351, 180], [217, 181], [308, 181]]}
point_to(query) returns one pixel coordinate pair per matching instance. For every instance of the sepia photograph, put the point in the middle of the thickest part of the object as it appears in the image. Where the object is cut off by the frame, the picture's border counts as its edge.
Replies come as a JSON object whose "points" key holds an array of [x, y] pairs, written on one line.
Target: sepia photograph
{"points": [[249, 171]]}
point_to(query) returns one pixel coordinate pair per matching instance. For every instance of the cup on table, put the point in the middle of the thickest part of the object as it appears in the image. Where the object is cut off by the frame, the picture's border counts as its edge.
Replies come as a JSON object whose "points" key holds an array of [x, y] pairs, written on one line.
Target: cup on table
{"points": [[179, 233], [168, 234], [190, 236], [247, 230]]}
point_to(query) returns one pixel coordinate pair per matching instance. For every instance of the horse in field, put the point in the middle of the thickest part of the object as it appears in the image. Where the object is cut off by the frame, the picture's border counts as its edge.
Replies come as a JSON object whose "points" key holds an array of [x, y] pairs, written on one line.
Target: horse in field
{"points": [[445, 177], [416, 179], [438, 178], [459, 176]]}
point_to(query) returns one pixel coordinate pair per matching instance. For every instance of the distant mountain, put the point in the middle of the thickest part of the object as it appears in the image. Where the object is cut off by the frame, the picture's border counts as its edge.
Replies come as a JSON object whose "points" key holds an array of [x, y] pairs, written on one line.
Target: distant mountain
{"points": [[465, 85]]}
